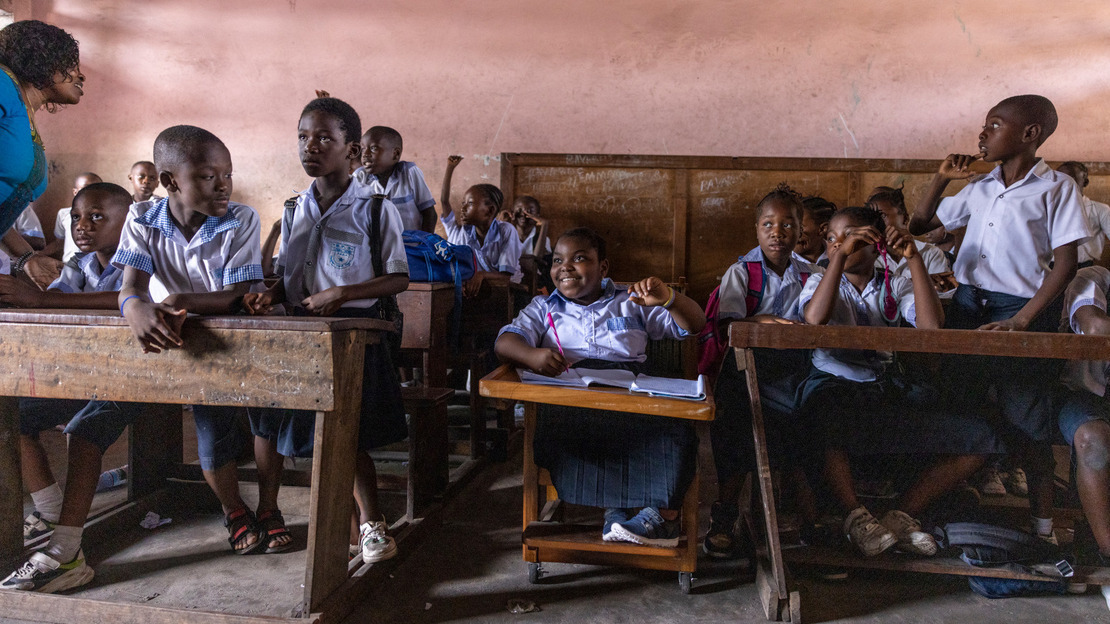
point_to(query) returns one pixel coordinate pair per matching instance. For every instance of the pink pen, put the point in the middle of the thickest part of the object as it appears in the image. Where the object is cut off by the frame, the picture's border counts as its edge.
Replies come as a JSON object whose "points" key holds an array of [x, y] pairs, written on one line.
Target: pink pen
{"points": [[558, 343]]}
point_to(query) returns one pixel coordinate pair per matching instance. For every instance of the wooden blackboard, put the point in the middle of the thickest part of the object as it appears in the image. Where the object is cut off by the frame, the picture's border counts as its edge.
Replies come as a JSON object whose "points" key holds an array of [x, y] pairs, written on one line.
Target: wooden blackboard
{"points": [[691, 216]]}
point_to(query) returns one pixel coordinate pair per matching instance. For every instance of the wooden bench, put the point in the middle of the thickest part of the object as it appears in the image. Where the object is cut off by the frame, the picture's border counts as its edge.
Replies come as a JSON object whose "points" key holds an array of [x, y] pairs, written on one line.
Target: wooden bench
{"points": [[297, 363], [779, 602], [575, 543]]}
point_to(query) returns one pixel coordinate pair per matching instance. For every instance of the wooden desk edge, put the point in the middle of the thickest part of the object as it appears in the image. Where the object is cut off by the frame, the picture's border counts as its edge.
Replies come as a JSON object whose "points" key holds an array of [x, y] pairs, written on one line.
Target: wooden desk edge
{"points": [[109, 318], [504, 383]]}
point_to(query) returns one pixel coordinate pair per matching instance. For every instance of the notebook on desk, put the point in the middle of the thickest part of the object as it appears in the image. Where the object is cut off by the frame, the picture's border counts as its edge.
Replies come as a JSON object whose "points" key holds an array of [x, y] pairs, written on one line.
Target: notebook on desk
{"points": [[692, 389]]}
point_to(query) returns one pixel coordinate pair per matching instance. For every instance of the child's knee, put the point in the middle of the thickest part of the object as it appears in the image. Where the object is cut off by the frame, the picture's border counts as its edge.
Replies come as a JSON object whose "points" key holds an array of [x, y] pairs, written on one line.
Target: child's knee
{"points": [[1092, 444]]}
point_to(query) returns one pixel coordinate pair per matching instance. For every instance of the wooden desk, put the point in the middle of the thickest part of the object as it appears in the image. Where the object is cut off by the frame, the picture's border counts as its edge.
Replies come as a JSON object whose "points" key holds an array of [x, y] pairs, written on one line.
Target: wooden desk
{"points": [[299, 363], [427, 307], [778, 602], [547, 541]]}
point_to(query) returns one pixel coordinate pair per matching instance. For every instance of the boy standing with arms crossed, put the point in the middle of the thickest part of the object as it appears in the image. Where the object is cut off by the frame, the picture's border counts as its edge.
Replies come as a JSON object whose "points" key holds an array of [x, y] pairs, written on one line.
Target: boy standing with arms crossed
{"points": [[1023, 223]]}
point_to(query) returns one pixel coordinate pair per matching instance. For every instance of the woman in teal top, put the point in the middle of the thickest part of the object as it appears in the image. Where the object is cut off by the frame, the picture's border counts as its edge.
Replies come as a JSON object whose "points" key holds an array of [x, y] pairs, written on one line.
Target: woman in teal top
{"points": [[39, 68]]}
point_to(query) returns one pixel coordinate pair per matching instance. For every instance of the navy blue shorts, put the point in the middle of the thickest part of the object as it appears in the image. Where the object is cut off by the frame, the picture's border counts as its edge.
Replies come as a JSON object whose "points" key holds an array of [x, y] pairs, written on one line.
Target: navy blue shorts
{"points": [[99, 422], [1079, 407]]}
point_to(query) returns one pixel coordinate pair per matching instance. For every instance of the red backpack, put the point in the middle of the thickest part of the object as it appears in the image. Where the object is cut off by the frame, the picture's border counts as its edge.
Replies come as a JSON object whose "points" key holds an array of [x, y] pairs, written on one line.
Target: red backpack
{"points": [[712, 344]]}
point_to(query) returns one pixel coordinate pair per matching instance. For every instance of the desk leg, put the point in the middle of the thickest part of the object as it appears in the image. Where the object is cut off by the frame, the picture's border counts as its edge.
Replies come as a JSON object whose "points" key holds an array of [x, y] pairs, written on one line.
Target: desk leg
{"points": [[773, 589], [155, 449], [11, 481], [530, 479], [333, 469]]}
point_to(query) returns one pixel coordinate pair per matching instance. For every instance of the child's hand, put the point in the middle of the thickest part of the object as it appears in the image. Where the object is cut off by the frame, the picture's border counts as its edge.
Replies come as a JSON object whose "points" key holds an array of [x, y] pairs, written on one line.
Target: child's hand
{"points": [[473, 285], [258, 303], [505, 216], [453, 161], [547, 362], [769, 319], [854, 240], [320, 93], [42, 270], [957, 166], [15, 292], [325, 302], [157, 326], [944, 282], [900, 240], [650, 292], [1010, 324]]}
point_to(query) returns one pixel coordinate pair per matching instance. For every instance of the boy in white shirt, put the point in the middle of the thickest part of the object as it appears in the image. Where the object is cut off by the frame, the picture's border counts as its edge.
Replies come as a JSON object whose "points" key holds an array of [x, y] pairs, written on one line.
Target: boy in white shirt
{"points": [[1023, 221], [63, 232], [1097, 214], [399, 180]]}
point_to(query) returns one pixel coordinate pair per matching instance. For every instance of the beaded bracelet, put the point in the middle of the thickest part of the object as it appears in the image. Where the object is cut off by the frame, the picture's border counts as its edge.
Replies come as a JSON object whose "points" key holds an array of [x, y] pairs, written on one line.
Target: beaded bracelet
{"points": [[670, 302], [18, 265]]}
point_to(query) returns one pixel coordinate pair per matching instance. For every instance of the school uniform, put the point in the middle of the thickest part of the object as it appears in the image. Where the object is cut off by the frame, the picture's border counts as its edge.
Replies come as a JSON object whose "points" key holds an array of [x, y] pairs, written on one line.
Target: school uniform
{"points": [[1098, 222], [862, 403], [934, 259], [500, 252], [99, 422], [224, 251], [28, 225], [407, 190], [600, 458], [780, 370], [322, 250], [1083, 396], [528, 245], [1004, 259]]}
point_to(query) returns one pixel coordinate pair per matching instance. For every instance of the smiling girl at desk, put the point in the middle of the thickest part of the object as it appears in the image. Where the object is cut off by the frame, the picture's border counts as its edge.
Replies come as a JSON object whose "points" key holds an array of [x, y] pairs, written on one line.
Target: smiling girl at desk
{"points": [[598, 458]]}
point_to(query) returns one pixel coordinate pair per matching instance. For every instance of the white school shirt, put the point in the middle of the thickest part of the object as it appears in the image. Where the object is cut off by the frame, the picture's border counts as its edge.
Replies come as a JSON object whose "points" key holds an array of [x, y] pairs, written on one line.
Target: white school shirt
{"points": [[612, 328], [84, 274], [860, 309], [1088, 288], [1098, 222], [224, 251], [813, 266], [63, 228], [5, 264], [28, 225], [780, 293], [1011, 231], [406, 188], [342, 244], [934, 259], [499, 253], [528, 245]]}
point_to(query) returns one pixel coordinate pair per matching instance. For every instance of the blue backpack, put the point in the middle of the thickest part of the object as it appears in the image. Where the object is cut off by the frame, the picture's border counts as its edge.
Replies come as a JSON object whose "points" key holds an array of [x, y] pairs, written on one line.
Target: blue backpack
{"points": [[433, 259]]}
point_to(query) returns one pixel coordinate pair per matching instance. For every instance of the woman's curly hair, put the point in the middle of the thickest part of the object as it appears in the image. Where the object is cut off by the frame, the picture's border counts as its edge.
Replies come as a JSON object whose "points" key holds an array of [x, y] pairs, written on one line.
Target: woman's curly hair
{"points": [[36, 51]]}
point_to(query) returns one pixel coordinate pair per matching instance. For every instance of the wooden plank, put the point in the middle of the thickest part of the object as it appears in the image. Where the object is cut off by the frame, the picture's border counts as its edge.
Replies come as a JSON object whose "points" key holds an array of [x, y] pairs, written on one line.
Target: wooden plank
{"points": [[969, 342], [428, 470], [587, 537], [504, 383], [531, 511], [68, 609], [681, 218], [333, 475], [426, 307], [154, 447], [285, 370], [11, 480]]}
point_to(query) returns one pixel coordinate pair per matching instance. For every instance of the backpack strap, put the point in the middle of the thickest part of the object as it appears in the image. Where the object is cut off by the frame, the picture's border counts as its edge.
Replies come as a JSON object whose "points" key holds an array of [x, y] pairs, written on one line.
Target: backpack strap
{"points": [[757, 277]]}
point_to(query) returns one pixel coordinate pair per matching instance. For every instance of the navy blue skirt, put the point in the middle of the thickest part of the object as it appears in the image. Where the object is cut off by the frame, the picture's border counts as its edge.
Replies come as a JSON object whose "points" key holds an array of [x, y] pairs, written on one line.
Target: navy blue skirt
{"points": [[601, 458]]}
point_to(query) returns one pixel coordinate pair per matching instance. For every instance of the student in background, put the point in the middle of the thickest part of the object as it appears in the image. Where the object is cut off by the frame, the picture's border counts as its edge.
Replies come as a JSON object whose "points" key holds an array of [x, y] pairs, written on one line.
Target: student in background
{"points": [[761, 287], [1023, 221], [816, 212], [532, 229], [203, 250], [495, 243], [325, 272], [892, 204], [597, 458], [859, 400], [63, 235], [1097, 214], [144, 181], [89, 281], [399, 180]]}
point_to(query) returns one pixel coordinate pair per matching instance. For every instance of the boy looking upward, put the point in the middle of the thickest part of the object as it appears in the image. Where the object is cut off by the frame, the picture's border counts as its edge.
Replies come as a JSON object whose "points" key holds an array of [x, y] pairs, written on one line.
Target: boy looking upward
{"points": [[1022, 218], [399, 180], [63, 235]]}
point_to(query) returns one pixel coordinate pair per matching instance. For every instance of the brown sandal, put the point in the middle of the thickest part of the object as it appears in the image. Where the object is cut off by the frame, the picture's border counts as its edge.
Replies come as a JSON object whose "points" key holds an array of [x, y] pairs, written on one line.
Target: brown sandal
{"points": [[240, 526]]}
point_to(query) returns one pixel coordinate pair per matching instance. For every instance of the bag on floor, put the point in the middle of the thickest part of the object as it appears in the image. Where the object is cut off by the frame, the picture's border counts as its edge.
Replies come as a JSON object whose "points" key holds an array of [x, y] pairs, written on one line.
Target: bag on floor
{"points": [[991, 546]]}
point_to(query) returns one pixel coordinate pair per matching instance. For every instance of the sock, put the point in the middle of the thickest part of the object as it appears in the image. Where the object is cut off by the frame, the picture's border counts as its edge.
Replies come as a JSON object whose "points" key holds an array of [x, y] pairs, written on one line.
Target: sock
{"points": [[48, 502], [1042, 526], [65, 543]]}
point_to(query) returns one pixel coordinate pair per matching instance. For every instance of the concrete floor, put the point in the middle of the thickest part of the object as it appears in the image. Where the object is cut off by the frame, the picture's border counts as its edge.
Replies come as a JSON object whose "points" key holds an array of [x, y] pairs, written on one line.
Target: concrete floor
{"points": [[469, 569]]}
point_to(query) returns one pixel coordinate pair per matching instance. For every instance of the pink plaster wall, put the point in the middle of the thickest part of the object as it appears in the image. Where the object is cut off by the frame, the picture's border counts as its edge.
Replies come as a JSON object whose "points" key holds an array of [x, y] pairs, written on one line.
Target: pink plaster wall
{"points": [[823, 78]]}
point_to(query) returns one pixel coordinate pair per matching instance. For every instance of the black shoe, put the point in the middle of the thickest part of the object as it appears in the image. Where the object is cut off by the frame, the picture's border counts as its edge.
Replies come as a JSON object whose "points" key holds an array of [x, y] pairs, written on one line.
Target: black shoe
{"points": [[721, 540]]}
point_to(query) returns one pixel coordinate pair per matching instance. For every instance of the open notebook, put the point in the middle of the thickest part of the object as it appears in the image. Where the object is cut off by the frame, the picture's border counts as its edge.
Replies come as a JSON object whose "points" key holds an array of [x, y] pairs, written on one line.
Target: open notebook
{"points": [[693, 389]]}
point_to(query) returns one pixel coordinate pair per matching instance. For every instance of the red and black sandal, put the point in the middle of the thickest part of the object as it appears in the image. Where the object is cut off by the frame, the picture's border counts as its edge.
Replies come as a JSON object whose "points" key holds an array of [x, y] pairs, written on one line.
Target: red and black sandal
{"points": [[271, 526], [240, 526]]}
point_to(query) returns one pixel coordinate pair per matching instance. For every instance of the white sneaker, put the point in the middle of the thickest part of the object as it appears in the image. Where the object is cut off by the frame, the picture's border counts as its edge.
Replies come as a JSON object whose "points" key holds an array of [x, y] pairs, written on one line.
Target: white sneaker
{"points": [[42, 573], [867, 533], [1016, 483], [377, 545], [990, 482], [908, 531]]}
